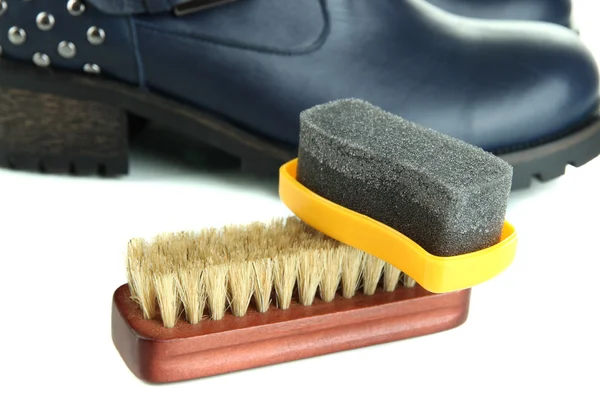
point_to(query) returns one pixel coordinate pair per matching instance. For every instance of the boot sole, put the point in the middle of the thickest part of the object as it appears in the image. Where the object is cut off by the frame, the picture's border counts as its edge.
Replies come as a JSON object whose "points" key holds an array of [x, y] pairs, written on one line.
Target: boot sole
{"points": [[65, 122]]}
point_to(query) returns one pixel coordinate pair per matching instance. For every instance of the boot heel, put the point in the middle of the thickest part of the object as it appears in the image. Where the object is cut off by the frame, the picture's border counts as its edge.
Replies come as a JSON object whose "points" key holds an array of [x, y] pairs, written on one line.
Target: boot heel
{"points": [[49, 133]]}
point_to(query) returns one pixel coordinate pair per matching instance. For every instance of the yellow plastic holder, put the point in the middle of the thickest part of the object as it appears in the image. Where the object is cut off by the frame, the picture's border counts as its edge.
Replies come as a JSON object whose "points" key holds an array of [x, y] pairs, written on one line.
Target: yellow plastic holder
{"points": [[435, 274]]}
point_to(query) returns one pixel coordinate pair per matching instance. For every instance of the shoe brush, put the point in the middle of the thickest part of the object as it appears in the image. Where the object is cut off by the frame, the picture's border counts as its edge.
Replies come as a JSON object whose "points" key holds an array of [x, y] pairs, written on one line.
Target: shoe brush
{"points": [[386, 242]]}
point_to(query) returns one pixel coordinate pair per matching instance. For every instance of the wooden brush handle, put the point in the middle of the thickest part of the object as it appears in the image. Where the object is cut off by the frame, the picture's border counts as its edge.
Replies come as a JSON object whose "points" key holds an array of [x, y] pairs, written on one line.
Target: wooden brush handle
{"points": [[158, 354]]}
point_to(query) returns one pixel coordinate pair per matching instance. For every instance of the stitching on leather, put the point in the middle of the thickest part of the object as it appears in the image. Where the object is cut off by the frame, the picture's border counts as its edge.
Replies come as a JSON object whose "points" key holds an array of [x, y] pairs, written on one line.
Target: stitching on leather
{"points": [[137, 53], [318, 43]]}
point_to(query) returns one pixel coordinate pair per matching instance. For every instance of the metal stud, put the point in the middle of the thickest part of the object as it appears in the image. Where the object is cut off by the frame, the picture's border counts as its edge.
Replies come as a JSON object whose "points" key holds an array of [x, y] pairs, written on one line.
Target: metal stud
{"points": [[41, 60], [91, 68], [3, 7], [16, 35], [67, 49], [75, 7], [96, 35], [44, 21]]}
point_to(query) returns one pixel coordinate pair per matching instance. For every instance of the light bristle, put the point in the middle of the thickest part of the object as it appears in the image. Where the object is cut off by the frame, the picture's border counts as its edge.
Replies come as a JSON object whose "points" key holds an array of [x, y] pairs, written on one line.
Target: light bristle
{"points": [[285, 276], [352, 270], [241, 287], [372, 274], [215, 271], [165, 285], [136, 253], [190, 285], [310, 268], [263, 284], [215, 279], [391, 277], [408, 281], [331, 275], [139, 277]]}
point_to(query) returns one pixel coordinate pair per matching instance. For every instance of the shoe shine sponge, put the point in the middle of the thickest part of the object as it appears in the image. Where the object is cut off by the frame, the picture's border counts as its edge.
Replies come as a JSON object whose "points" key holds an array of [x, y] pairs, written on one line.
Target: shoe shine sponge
{"points": [[429, 204]]}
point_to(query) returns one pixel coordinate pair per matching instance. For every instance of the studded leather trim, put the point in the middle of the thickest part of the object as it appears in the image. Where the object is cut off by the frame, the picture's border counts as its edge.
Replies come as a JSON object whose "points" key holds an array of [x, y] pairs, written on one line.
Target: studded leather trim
{"points": [[34, 32]]}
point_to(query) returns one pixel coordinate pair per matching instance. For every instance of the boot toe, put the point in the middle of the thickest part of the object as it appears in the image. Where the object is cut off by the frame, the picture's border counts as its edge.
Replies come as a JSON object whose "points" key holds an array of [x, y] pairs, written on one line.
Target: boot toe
{"points": [[540, 84], [553, 11]]}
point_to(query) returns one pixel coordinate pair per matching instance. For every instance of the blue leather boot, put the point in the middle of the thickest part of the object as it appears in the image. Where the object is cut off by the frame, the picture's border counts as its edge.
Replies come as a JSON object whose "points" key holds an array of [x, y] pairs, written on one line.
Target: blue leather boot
{"points": [[553, 11], [77, 77]]}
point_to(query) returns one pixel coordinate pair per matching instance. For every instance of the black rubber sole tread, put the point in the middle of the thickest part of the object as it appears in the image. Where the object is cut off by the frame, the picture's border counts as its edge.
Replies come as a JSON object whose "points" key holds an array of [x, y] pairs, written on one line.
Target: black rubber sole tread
{"points": [[64, 165], [549, 161], [91, 136]]}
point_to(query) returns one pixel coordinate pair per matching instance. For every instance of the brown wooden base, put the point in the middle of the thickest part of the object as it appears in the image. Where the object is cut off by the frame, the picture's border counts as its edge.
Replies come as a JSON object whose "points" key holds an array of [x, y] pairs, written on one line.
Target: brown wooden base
{"points": [[158, 354]]}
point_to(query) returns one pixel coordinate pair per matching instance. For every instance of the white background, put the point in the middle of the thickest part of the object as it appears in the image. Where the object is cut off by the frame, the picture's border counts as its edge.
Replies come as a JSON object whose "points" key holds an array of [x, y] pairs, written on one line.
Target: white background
{"points": [[533, 331]]}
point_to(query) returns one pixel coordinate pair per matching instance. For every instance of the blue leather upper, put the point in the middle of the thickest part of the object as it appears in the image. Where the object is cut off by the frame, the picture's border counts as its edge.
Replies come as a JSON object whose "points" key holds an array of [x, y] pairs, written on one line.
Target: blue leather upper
{"points": [[127, 7], [259, 63], [554, 11]]}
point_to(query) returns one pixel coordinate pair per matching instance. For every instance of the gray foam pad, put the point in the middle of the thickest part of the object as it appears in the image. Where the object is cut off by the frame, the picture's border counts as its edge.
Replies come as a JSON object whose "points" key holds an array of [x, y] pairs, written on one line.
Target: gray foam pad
{"points": [[448, 196]]}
